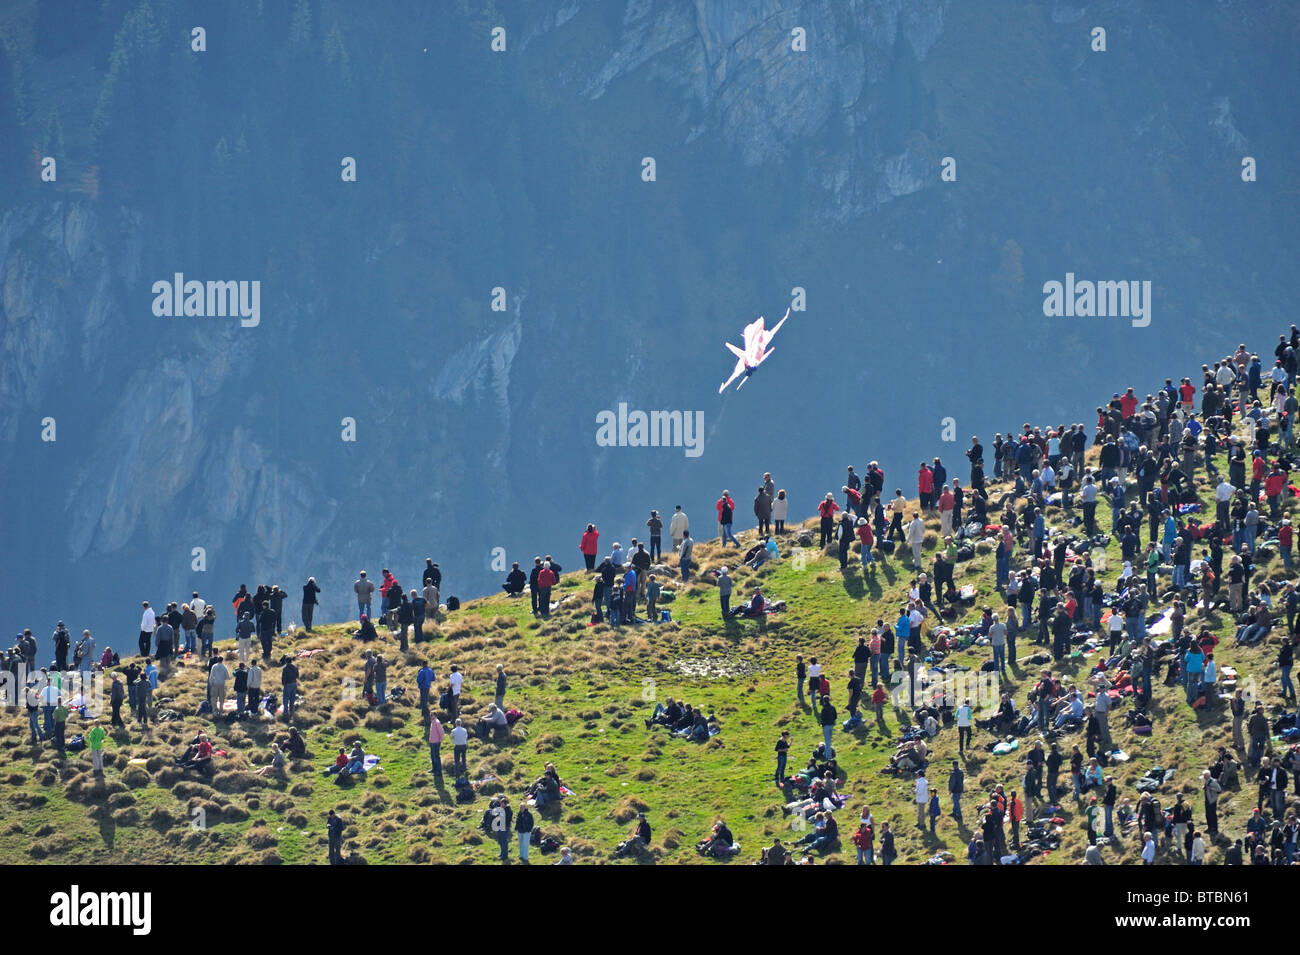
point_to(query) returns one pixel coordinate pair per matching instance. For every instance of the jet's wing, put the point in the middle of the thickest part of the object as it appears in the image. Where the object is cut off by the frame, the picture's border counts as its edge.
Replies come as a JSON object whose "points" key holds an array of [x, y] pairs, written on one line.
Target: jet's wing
{"points": [[735, 373], [768, 335], [735, 351]]}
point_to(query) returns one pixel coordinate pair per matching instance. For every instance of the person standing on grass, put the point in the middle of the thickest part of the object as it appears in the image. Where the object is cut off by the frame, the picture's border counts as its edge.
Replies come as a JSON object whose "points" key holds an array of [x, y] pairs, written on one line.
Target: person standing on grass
{"points": [[217, 677], [424, 680], [956, 786], [365, 590], [254, 687], [459, 747], [289, 688], [724, 592], [827, 719], [656, 525], [436, 735], [887, 851], [763, 511], [922, 798], [826, 511], [524, 827], [652, 592], [589, 545], [148, 621], [310, 590], [915, 538], [687, 546], [334, 826], [800, 675], [782, 751], [501, 687], [726, 507], [95, 741], [678, 527]]}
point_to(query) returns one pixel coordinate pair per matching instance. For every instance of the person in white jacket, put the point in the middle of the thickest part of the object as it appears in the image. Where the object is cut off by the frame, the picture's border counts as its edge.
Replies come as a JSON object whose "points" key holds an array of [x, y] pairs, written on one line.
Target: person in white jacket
{"points": [[148, 623], [217, 678], [678, 527], [922, 798], [915, 536], [780, 508]]}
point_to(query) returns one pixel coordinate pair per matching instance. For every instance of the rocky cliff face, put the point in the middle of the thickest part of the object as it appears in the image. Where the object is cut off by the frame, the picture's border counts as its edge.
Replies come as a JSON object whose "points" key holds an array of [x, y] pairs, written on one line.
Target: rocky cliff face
{"points": [[734, 69]]}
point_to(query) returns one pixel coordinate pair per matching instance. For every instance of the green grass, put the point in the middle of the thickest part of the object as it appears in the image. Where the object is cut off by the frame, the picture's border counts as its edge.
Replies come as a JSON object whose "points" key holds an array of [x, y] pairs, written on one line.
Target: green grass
{"points": [[585, 692]]}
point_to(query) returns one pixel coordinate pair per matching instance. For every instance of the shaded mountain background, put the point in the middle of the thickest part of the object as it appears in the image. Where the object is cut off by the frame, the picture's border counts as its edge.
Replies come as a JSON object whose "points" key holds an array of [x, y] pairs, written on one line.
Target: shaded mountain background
{"points": [[476, 429]]}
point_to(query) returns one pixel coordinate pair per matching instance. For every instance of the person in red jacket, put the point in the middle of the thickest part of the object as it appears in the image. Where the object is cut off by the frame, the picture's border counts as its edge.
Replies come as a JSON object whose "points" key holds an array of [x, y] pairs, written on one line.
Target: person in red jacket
{"points": [[545, 581], [1285, 536], [1128, 403], [1187, 391], [826, 509], [868, 541], [1274, 484], [925, 485], [391, 597], [726, 507], [588, 545]]}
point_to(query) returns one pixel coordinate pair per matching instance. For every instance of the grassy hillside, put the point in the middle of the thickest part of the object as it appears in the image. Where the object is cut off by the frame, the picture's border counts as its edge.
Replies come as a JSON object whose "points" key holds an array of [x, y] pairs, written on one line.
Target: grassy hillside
{"points": [[586, 691]]}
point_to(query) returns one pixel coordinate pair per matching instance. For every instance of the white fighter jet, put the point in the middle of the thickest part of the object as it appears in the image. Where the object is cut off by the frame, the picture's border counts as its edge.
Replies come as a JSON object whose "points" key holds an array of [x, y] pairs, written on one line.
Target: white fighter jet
{"points": [[755, 351]]}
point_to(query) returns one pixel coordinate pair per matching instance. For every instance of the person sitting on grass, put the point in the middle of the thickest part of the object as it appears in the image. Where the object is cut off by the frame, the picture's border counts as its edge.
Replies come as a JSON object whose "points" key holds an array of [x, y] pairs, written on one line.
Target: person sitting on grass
{"points": [[515, 581], [547, 788], [754, 608], [367, 631], [639, 839], [665, 714], [718, 843], [775, 854], [494, 720], [910, 756], [294, 746], [356, 763], [824, 833], [277, 762], [198, 755], [698, 731], [340, 761]]}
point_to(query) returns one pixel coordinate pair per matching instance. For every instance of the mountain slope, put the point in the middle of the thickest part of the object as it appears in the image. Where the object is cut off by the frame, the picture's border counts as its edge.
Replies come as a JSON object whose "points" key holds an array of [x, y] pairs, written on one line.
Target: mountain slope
{"points": [[586, 692]]}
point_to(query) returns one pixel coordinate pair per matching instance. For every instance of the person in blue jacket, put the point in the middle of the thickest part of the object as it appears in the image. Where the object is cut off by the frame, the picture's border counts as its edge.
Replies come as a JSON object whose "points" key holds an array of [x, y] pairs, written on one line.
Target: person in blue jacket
{"points": [[425, 679]]}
